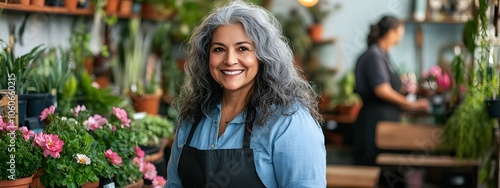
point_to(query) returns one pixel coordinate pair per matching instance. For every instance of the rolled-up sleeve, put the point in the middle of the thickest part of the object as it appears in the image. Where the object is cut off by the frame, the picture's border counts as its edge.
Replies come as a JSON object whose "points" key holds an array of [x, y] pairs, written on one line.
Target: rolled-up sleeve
{"points": [[299, 155]]}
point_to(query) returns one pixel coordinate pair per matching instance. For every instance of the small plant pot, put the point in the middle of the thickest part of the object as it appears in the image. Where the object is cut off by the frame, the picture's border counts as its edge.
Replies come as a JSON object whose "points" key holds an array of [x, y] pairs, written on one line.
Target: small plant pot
{"points": [[112, 6], [36, 102], [24, 2], [19, 183], [316, 32], [125, 7], [149, 103], [36, 178], [71, 4], [91, 185], [39, 3], [493, 107]]}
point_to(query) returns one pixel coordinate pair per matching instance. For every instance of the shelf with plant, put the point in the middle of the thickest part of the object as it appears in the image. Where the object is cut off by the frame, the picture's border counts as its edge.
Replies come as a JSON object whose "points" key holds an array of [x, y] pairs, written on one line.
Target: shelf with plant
{"points": [[20, 158], [469, 132], [318, 13]]}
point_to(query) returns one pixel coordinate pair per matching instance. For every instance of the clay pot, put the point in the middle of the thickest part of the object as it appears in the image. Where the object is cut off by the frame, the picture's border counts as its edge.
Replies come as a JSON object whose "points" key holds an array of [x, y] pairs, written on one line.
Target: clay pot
{"points": [[112, 6], [316, 32], [91, 185], [19, 183], [36, 178], [39, 3], [137, 184], [71, 4], [125, 7], [24, 2], [149, 103]]}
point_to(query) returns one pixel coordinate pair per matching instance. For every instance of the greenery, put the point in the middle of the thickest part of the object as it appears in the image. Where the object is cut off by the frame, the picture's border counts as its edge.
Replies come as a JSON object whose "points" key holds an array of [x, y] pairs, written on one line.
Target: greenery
{"points": [[25, 157], [152, 128], [66, 170], [320, 11], [17, 68], [100, 101], [345, 95], [294, 30]]}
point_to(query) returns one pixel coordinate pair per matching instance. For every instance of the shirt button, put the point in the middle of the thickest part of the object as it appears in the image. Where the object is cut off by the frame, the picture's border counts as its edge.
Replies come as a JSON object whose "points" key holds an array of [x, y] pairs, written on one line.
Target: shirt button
{"points": [[213, 146]]}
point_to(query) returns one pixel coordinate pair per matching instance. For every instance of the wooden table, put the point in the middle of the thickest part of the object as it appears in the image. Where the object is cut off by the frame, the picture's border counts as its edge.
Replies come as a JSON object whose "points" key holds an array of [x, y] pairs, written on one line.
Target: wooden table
{"points": [[352, 176]]}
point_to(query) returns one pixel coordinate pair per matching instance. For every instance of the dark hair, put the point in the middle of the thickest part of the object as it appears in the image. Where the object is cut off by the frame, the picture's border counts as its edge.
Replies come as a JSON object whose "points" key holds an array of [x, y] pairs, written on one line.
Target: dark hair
{"points": [[380, 29]]}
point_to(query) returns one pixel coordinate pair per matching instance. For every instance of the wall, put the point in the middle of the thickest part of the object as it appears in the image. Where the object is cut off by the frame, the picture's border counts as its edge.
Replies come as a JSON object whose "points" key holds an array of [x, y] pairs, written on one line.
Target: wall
{"points": [[350, 26]]}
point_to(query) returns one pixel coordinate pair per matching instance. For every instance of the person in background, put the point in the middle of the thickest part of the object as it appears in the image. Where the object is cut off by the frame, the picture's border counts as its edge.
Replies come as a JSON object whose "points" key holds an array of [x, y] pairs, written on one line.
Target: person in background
{"points": [[379, 86], [247, 118]]}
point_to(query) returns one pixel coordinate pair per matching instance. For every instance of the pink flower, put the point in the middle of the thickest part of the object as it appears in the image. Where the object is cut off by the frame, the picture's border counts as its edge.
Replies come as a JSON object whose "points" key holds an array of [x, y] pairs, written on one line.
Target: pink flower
{"points": [[11, 127], [149, 171], [139, 152], [113, 128], [96, 85], [95, 122], [47, 111], [50, 144], [77, 109], [444, 82], [122, 116], [113, 157], [3, 125], [27, 134], [139, 162], [159, 182]]}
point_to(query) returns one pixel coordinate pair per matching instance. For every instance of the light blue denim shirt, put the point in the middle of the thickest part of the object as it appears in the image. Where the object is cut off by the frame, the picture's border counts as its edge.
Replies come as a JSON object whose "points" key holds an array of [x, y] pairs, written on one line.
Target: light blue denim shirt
{"points": [[289, 151]]}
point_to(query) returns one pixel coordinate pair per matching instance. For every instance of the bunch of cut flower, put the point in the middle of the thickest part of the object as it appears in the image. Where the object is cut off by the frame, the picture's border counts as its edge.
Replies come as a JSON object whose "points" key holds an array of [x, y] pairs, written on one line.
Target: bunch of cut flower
{"points": [[435, 80], [20, 157], [70, 158], [117, 134]]}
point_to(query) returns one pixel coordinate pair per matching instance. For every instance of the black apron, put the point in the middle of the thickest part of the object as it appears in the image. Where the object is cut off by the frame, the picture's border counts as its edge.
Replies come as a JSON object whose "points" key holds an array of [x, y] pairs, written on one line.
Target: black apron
{"points": [[218, 167], [372, 112]]}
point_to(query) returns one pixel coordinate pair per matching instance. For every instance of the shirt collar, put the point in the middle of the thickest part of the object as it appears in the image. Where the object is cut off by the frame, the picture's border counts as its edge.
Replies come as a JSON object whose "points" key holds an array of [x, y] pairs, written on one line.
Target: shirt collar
{"points": [[216, 112]]}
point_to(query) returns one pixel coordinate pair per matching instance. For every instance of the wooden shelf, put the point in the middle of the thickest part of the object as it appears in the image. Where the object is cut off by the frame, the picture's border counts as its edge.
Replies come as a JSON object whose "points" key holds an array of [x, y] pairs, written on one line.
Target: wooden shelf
{"points": [[442, 21], [325, 41], [58, 10]]}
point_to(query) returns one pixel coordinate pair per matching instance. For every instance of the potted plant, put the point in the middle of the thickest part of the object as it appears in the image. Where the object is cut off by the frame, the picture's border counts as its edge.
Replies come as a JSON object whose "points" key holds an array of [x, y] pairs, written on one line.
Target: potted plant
{"points": [[17, 70], [139, 75], [345, 101], [154, 132], [295, 31], [319, 12], [71, 160], [20, 158]]}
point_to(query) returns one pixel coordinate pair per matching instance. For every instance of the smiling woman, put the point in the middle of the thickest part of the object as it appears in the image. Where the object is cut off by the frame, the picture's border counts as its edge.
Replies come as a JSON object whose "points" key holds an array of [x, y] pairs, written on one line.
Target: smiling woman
{"points": [[247, 118]]}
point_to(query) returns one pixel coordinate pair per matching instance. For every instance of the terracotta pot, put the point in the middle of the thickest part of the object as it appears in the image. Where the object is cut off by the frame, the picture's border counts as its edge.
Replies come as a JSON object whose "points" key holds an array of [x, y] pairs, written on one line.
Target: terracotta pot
{"points": [[125, 7], [112, 6], [103, 80], [352, 110], [149, 103], [151, 11], [316, 32], [71, 4], [36, 178], [39, 3], [19, 183], [91, 185], [88, 63], [137, 184], [24, 2]]}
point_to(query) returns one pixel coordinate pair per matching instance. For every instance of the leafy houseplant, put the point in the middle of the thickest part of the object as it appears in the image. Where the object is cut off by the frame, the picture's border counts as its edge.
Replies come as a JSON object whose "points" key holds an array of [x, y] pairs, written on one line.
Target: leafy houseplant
{"points": [[153, 128], [20, 158], [319, 12]]}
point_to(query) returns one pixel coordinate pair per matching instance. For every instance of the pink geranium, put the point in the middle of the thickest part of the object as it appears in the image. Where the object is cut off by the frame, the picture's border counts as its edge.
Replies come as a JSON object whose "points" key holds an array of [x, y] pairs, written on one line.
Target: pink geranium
{"points": [[139, 152], [78, 109], [149, 171], [113, 157], [122, 116], [47, 111], [444, 81], [5, 126], [27, 134], [50, 144], [159, 182], [95, 122]]}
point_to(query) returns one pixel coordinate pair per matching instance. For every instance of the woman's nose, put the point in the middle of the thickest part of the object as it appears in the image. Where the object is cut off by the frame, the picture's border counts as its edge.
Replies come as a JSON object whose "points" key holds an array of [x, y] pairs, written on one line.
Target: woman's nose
{"points": [[232, 57]]}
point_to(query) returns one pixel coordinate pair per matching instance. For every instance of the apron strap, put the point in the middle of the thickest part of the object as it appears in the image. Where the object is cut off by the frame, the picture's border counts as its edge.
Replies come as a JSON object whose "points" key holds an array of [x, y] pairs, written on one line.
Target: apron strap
{"points": [[193, 128]]}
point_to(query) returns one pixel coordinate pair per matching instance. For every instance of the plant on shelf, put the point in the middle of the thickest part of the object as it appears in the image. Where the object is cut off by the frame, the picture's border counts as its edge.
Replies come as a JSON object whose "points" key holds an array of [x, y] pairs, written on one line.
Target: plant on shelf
{"points": [[318, 13], [20, 158], [98, 100]]}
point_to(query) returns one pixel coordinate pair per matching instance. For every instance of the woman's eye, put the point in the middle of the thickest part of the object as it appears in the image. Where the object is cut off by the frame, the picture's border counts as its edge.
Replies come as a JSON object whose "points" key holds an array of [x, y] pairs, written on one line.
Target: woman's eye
{"points": [[243, 49], [218, 49]]}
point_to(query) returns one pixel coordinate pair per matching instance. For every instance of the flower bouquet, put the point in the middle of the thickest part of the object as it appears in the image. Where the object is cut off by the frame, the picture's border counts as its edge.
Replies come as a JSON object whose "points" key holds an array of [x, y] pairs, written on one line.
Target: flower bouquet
{"points": [[20, 158], [436, 81]]}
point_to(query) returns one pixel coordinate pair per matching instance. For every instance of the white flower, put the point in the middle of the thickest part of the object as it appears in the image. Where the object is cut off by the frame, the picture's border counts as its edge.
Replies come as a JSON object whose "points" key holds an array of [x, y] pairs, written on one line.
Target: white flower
{"points": [[82, 159], [76, 122], [64, 118]]}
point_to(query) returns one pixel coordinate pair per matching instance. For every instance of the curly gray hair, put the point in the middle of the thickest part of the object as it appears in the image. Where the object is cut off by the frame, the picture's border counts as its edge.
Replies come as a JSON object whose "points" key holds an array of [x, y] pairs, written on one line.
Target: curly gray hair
{"points": [[278, 84]]}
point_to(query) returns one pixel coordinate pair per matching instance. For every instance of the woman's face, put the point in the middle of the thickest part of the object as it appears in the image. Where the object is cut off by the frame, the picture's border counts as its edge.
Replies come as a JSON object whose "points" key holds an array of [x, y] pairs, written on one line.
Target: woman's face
{"points": [[232, 59], [396, 34]]}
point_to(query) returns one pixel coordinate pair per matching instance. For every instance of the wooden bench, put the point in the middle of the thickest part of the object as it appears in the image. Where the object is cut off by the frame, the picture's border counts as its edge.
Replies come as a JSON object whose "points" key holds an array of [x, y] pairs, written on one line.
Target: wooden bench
{"points": [[352, 176], [422, 139]]}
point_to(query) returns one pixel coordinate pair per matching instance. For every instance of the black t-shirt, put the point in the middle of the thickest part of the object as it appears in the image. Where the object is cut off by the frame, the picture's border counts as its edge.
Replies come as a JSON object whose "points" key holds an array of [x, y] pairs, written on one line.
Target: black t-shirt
{"points": [[372, 69]]}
